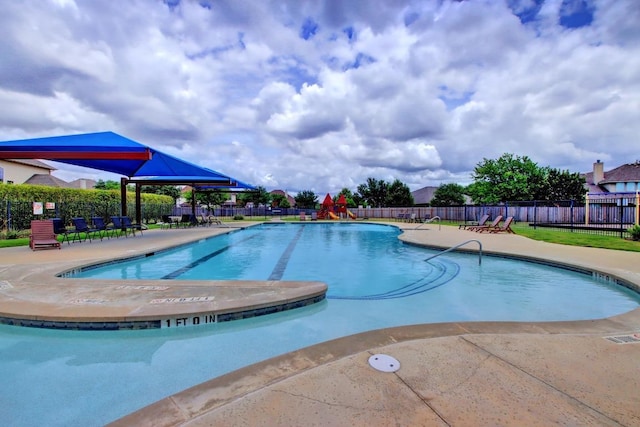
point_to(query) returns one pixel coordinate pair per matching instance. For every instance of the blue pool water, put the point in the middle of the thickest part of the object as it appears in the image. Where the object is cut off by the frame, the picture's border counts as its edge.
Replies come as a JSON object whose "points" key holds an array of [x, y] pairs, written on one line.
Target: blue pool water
{"points": [[80, 378]]}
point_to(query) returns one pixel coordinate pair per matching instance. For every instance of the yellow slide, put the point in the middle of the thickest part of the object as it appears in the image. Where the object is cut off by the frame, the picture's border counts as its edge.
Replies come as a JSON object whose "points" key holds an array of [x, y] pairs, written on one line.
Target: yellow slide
{"points": [[351, 214], [333, 216]]}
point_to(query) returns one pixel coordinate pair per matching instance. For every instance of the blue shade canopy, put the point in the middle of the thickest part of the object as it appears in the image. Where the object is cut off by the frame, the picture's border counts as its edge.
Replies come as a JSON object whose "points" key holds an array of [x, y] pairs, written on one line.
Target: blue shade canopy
{"points": [[110, 152]]}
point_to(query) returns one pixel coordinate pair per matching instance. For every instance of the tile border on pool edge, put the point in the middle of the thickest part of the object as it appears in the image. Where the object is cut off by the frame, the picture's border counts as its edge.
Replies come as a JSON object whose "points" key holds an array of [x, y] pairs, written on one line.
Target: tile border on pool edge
{"points": [[158, 323], [594, 273]]}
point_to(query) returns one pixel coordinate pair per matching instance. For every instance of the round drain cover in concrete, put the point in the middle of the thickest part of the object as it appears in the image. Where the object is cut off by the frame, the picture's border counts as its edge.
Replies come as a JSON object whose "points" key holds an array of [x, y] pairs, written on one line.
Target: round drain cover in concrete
{"points": [[384, 363]]}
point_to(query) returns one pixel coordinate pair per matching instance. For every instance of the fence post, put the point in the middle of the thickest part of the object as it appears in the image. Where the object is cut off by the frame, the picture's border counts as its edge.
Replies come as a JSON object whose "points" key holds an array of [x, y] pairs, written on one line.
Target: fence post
{"points": [[535, 214], [586, 210], [620, 202], [637, 222], [571, 212]]}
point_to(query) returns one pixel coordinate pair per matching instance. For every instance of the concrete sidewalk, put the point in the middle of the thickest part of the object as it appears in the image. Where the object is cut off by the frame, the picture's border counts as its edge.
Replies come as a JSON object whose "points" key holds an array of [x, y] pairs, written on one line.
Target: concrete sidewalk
{"points": [[461, 374]]}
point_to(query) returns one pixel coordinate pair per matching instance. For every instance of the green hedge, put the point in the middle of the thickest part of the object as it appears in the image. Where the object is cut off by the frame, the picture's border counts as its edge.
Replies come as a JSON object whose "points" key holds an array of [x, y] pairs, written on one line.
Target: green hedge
{"points": [[16, 204]]}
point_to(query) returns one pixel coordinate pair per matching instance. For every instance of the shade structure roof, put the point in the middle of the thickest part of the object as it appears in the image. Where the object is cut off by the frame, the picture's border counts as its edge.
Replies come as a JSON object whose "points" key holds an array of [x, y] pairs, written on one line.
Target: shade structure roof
{"points": [[114, 153], [328, 201]]}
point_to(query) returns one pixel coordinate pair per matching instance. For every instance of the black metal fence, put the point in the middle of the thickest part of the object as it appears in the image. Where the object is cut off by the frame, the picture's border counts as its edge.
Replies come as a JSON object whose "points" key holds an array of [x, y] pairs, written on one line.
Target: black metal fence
{"points": [[17, 216], [607, 215]]}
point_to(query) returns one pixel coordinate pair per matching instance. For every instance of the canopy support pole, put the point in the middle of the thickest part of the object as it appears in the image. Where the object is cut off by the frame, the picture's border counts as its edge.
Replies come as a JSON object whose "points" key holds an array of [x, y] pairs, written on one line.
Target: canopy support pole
{"points": [[123, 196], [138, 204]]}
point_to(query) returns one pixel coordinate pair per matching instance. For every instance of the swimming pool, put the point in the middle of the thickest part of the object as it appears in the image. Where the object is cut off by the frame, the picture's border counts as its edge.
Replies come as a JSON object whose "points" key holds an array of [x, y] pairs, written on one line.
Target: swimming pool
{"points": [[56, 377]]}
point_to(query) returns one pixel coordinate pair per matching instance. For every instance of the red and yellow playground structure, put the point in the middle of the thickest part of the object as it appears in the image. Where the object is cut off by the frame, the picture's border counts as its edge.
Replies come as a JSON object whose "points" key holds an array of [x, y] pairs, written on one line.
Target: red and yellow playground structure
{"points": [[331, 210]]}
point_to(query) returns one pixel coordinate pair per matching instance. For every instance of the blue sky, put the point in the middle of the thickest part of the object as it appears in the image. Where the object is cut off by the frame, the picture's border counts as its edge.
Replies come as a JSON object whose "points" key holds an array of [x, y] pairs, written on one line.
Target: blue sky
{"points": [[320, 95]]}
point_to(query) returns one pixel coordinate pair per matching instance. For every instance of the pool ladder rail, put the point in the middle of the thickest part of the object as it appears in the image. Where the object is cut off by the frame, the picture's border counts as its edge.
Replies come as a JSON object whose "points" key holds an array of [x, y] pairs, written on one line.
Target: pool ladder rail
{"points": [[453, 248], [430, 220]]}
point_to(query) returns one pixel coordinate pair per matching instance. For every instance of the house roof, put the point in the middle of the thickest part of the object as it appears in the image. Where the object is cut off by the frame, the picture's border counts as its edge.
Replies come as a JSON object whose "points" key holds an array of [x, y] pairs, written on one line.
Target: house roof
{"points": [[32, 162], [83, 183], [290, 199], [625, 173], [48, 180], [629, 172], [423, 195]]}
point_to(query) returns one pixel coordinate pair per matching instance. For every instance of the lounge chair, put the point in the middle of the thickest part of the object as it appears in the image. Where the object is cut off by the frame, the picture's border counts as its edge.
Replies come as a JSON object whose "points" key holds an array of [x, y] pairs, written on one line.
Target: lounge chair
{"points": [[168, 222], [101, 227], [482, 221], [129, 225], [214, 220], [504, 228], [303, 216], [42, 235], [59, 228], [203, 220], [188, 220], [480, 228], [314, 216], [118, 227], [80, 226]]}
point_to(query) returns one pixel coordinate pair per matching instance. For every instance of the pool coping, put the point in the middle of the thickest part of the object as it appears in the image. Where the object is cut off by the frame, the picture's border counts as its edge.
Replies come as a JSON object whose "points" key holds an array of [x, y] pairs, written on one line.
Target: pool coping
{"points": [[36, 293]]}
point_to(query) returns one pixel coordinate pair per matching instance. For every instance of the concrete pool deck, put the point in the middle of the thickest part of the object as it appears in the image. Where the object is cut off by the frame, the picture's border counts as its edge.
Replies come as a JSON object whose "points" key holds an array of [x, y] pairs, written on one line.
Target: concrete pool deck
{"points": [[461, 373]]}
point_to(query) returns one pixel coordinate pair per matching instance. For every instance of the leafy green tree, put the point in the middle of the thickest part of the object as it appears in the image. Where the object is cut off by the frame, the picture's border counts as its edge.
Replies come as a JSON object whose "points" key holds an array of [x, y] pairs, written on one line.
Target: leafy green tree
{"points": [[358, 200], [306, 199], [164, 190], [279, 200], [398, 194], [107, 185], [564, 185], [211, 198], [374, 192], [259, 196], [507, 178], [448, 195], [349, 197]]}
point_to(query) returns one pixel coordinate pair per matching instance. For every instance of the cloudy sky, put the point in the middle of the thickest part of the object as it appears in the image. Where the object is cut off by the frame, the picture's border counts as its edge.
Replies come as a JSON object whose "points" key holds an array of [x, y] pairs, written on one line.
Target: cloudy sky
{"points": [[322, 94]]}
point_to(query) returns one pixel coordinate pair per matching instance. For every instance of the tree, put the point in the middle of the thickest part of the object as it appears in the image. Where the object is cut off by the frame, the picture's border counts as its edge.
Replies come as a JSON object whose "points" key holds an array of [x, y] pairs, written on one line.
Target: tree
{"points": [[211, 198], [349, 197], [448, 195], [564, 185], [398, 194], [165, 190], [306, 199], [259, 196], [507, 178], [279, 200], [374, 192], [107, 185]]}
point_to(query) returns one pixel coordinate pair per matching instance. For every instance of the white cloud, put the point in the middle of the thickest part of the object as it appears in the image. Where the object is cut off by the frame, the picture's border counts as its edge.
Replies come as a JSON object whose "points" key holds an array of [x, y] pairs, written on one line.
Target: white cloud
{"points": [[418, 91]]}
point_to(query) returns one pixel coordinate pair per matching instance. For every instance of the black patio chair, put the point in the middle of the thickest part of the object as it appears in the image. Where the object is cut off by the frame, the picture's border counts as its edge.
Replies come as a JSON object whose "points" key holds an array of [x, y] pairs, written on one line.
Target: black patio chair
{"points": [[129, 225], [102, 229], [60, 229], [81, 227], [119, 228]]}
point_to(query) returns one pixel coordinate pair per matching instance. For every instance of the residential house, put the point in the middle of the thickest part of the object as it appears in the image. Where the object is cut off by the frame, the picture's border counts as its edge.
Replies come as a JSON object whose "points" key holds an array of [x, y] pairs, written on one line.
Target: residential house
{"points": [[19, 171], [291, 200], [423, 196], [623, 179]]}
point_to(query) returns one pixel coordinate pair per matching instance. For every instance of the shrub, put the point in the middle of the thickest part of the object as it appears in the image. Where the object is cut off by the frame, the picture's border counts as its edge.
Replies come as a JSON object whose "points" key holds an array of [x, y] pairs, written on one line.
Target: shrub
{"points": [[635, 232], [238, 217]]}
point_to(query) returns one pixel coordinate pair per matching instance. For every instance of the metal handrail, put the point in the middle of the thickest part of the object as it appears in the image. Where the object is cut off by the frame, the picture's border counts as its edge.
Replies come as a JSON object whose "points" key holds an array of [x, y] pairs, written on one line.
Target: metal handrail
{"points": [[457, 246], [430, 220]]}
